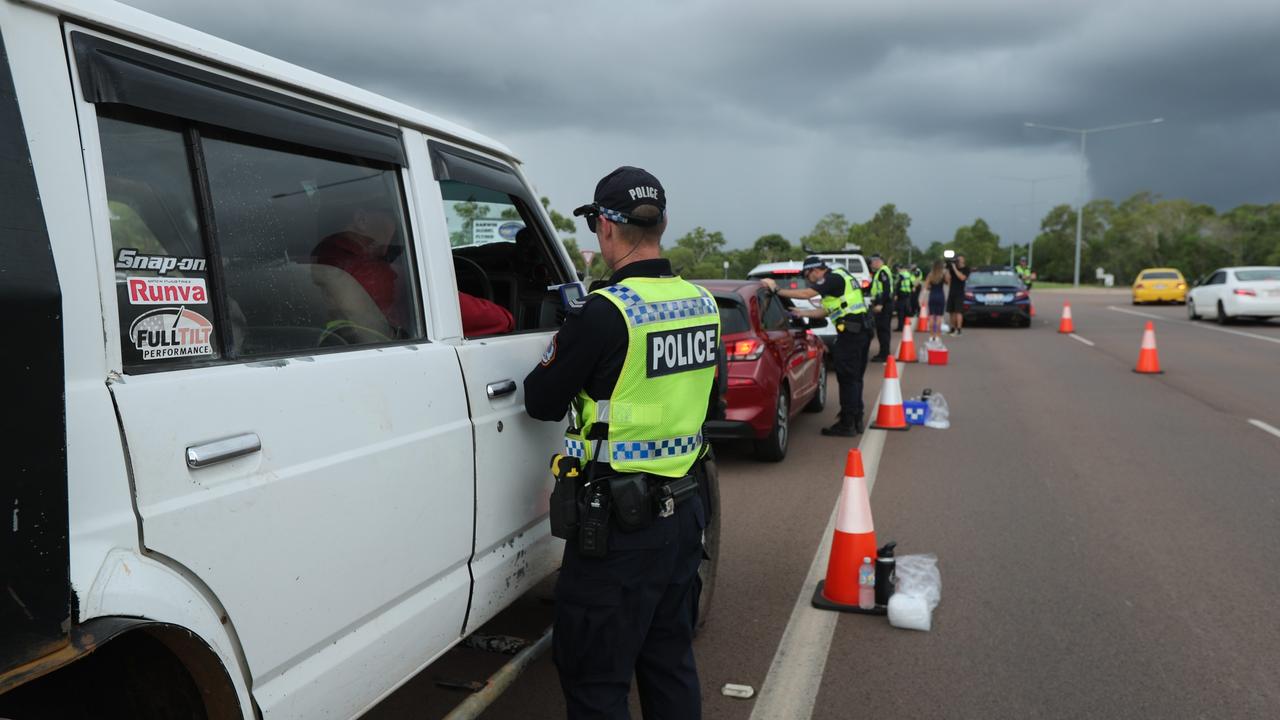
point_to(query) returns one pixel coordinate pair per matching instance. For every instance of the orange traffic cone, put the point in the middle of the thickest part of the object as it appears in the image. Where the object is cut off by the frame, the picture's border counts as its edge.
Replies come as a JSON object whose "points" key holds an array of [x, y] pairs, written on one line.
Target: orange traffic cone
{"points": [[1033, 309], [907, 348], [1065, 325], [922, 321], [891, 415], [853, 540], [1148, 358]]}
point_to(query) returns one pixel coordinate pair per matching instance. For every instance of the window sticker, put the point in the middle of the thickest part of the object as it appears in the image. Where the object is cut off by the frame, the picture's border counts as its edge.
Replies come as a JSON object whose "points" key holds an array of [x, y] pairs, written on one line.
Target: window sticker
{"points": [[167, 291], [166, 333], [131, 259]]}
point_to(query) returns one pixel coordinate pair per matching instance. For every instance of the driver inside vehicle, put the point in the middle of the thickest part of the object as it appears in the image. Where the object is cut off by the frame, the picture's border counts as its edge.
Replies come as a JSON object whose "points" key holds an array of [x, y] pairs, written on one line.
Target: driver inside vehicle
{"points": [[366, 248]]}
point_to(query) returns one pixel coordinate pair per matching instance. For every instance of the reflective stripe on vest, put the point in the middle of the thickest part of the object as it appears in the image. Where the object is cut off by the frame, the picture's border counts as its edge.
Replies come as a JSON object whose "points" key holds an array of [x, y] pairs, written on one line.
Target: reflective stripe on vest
{"points": [[850, 303], [659, 403]]}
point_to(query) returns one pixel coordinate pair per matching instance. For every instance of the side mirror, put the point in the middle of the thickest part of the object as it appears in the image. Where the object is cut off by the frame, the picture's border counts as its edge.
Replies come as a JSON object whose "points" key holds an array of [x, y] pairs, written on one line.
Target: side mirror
{"points": [[815, 323]]}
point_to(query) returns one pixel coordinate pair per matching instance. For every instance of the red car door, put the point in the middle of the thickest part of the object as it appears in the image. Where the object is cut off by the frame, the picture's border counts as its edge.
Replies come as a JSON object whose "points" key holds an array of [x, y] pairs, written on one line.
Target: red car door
{"points": [[791, 354]]}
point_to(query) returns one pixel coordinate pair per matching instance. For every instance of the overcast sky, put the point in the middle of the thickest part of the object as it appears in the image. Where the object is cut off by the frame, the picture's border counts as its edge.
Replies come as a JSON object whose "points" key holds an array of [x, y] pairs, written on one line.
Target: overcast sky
{"points": [[761, 117]]}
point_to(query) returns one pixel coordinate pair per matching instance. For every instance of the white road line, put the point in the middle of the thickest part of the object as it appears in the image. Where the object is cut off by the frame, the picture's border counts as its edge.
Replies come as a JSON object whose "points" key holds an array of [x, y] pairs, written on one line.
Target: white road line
{"points": [[1261, 426], [790, 687], [1202, 326], [1077, 337]]}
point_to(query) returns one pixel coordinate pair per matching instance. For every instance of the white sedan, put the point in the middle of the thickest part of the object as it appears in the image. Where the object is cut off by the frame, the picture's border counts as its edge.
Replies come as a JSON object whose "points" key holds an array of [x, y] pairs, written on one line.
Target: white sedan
{"points": [[1234, 292]]}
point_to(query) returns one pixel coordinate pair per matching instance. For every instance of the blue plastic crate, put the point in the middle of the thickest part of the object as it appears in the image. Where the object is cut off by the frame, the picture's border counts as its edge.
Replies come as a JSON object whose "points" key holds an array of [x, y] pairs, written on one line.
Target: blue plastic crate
{"points": [[917, 411]]}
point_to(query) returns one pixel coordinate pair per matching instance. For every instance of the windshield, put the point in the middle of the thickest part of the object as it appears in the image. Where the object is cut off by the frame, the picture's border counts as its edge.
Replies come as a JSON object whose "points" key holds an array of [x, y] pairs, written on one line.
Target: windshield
{"points": [[852, 264], [1160, 275], [994, 279], [1256, 275], [733, 316]]}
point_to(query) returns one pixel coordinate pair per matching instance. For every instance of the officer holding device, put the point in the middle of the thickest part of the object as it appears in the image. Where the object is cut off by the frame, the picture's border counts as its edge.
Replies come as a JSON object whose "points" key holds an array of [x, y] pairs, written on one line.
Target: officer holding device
{"points": [[633, 366]]}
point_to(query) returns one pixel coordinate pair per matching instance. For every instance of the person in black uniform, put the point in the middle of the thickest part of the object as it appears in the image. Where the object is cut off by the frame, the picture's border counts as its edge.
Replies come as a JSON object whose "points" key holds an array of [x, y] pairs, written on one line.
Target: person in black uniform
{"points": [[881, 305], [633, 611], [853, 335]]}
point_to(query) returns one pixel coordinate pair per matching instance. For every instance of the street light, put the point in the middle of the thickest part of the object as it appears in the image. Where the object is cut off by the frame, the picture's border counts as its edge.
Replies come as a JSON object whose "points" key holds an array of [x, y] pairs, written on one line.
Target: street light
{"points": [[1084, 133]]}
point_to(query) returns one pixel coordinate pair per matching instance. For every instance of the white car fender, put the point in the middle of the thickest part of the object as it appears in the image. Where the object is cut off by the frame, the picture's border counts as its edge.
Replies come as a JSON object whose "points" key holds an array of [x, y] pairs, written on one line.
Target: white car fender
{"points": [[131, 585]]}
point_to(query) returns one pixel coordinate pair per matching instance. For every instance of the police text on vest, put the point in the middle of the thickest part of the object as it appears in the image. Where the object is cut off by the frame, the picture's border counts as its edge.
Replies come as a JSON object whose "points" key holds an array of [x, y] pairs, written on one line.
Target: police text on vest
{"points": [[680, 350]]}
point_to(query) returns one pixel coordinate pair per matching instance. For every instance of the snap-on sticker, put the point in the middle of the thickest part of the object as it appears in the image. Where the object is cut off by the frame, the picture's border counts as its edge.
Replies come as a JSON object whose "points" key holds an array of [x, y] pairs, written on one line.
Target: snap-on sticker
{"points": [[166, 333], [131, 259], [167, 291]]}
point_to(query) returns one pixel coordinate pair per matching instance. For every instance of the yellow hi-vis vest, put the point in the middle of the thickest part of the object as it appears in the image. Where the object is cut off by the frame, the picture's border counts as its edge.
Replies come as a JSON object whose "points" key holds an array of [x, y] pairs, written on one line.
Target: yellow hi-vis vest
{"points": [[659, 404], [850, 303], [882, 280]]}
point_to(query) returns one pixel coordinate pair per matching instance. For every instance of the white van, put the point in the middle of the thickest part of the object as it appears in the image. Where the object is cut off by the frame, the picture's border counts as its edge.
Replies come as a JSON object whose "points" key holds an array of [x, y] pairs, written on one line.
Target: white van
{"points": [[254, 465]]}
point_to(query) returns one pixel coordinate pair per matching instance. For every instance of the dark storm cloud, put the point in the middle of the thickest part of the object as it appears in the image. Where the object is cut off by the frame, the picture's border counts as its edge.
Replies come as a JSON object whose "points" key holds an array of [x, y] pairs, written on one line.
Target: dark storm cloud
{"points": [[916, 95]]}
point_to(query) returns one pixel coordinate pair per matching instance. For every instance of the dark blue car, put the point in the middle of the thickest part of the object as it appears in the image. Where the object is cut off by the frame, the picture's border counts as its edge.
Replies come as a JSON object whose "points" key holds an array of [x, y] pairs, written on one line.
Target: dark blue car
{"points": [[997, 294]]}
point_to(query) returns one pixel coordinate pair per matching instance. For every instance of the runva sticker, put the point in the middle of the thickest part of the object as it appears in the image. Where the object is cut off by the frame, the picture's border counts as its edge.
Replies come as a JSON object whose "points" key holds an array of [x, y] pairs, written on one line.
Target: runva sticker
{"points": [[167, 291], [171, 333]]}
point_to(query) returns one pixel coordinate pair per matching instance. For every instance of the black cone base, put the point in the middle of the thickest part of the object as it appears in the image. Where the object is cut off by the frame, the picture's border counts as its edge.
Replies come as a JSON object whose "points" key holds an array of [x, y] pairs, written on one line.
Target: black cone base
{"points": [[822, 603]]}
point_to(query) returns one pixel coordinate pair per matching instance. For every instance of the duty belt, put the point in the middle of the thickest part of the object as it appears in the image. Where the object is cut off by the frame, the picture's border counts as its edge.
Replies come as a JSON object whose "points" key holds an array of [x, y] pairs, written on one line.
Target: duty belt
{"points": [[674, 492]]}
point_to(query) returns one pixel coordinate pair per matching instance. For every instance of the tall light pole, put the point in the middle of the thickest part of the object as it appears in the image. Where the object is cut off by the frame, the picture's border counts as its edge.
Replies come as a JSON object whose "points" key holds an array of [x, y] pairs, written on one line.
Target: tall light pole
{"points": [[1084, 134]]}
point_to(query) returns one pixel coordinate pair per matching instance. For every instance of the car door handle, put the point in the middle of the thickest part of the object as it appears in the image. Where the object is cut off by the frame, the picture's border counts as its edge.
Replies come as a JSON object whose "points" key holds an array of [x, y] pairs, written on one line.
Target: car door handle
{"points": [[206, 454], [502, 388]]}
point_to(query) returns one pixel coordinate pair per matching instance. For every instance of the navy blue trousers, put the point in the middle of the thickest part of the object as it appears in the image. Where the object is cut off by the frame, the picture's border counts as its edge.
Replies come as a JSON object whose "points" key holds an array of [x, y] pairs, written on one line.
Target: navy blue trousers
{"points": [[632, 613]]}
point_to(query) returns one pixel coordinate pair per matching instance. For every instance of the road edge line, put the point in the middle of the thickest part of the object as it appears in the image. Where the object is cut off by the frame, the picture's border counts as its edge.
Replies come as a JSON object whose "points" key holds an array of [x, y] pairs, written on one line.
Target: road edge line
{"points": [[790, 687], [1202, 326], [1265, 427]]}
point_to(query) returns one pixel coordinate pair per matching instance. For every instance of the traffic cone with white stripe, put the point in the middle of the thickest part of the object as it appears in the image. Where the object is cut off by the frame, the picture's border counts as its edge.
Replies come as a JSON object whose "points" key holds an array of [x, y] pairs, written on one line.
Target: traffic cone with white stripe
{"points": [[854, 539], [1065, 325], [922, 320], [890, 415], [1148, 358], [907, 348]]}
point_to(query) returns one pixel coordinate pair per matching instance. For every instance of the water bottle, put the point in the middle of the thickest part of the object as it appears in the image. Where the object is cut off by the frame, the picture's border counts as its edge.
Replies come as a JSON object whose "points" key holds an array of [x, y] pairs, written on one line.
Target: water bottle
{"points": [[867, 585]]}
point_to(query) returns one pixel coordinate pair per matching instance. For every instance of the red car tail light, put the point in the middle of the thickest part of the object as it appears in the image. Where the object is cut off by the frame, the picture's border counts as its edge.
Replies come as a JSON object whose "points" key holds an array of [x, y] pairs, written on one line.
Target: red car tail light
{"points": [[750, 349], [1243, 291], [1139, 286], [866, 284], [1182, 286], [968, 295], [1022, 295]]}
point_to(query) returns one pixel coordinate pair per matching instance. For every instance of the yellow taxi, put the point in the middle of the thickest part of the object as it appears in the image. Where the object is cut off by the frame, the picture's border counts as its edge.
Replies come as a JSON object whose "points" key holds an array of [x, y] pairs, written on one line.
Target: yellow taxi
{"points": [[1159, 285]]}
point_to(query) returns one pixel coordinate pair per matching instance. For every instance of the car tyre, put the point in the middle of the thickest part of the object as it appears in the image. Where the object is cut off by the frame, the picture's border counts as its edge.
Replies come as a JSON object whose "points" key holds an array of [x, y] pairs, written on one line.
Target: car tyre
{"points": [[1191, 310], [1223, 318], [707, 570], [773, 447], [819, 400]]}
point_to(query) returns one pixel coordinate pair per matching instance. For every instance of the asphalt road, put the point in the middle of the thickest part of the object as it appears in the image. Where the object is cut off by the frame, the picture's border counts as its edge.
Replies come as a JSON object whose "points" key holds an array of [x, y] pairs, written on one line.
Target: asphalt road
{"points": [[1107, 540]]}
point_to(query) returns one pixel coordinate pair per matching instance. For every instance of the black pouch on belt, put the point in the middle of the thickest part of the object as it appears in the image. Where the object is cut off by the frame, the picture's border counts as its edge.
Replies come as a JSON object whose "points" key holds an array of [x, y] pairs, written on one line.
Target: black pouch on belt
{"points": [[632, 504], [564, 497]]}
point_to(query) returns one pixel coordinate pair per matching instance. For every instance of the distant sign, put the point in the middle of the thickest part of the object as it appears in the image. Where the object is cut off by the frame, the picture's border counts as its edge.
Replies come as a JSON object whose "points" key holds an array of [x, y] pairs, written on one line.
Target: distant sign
{"points": [[588, 256], [485, 230]]}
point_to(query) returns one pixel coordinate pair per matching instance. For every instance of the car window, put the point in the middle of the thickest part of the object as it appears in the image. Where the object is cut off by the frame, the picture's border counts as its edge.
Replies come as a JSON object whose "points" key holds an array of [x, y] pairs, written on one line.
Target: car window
{"points": [[1217, 278], [502, 260], [1159, 275], [772, 315], [314, 250], [161, 267], [258, 249], [733, 316], [993, 279], [1256, 275]]}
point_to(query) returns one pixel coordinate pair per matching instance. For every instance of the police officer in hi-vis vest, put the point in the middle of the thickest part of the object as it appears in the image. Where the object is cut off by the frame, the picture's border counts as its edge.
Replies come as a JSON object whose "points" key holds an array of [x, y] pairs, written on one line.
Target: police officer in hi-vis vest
{"points": [[633, 367], [843, 307], [881, 302]]}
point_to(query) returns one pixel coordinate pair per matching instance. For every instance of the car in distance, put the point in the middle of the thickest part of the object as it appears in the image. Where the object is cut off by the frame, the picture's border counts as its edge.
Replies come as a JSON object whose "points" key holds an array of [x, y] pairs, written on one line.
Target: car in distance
{"points": [[1235, 292], [776, 367], [1159, 285], [997, 294]]}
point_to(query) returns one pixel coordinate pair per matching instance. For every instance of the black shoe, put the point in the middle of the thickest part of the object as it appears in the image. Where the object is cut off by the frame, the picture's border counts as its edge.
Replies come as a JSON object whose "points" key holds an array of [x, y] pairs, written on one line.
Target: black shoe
{"points": [[880, 358], [857, 424], [839, 430]]}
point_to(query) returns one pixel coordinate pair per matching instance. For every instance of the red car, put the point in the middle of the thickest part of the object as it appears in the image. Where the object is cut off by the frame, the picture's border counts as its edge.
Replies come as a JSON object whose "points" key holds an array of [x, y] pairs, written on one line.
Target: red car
{"points": [[776, 367]]}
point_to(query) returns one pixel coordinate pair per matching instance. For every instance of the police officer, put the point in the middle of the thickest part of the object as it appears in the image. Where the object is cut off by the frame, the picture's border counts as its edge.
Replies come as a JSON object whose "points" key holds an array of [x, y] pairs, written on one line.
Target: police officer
{"points": [[1024, 272], [906, 290], [881, 305], [918, 275], [843, 306], [633, 366]]}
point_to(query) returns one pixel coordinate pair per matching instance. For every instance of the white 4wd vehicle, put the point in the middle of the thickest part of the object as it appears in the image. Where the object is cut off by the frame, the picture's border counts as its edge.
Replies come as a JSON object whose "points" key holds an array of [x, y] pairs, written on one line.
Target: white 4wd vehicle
{"points": [[254, 466]]}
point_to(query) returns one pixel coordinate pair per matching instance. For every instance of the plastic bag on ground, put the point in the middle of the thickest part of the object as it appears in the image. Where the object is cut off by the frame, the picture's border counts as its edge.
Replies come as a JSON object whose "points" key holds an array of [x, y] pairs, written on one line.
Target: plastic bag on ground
{"points": [[946, 327], [922, 355], [919, 589], [939, 416]]}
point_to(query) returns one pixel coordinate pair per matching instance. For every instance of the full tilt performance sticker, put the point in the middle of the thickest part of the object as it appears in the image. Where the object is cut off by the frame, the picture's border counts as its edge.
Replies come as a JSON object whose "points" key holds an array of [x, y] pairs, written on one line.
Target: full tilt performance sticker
{"points": [[680, 350], [166, 333], [167, 291]]}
